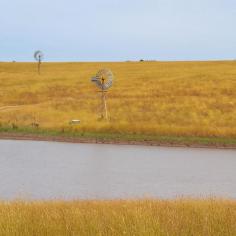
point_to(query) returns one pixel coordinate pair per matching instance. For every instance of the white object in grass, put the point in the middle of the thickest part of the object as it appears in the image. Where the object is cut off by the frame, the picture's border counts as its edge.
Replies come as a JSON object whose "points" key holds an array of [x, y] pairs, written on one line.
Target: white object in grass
{"points": [[74, 122]]}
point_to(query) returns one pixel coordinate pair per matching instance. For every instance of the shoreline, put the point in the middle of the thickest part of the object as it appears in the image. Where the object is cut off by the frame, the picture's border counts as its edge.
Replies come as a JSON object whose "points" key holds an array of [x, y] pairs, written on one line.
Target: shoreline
{"points": [[48, 138]]}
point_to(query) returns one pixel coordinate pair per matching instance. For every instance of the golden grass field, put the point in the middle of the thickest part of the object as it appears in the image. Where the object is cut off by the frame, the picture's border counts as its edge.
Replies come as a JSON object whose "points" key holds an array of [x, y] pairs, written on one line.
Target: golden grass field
{"points": [[141, 217], [152, 98], [164, 98]]}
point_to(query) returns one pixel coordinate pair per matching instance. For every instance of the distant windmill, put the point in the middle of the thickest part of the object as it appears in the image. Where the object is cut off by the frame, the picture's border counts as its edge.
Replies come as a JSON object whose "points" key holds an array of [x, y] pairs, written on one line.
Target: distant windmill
{"points": [[38, 55], [103, 80]]}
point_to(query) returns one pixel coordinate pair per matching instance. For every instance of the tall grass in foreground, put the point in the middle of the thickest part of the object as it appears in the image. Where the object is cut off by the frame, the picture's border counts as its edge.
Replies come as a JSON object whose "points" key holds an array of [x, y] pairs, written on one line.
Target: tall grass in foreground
{"points": [[127, 217]]}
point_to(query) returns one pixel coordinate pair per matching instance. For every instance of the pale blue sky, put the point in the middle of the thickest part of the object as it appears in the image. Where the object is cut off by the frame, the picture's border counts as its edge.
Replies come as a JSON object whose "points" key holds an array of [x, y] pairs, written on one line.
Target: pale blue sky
{"points": [[117, 30]]}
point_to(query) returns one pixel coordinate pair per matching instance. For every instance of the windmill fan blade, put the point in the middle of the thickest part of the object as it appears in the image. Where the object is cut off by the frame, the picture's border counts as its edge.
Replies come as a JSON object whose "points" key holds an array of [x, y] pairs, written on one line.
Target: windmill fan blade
{"points": [[38, 55], [103, 79]]}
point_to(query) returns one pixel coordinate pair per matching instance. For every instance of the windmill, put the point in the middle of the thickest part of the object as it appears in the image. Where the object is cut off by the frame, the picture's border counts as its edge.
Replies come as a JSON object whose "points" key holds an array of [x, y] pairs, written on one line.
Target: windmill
{"points": [[103, 80], [38, 55]]}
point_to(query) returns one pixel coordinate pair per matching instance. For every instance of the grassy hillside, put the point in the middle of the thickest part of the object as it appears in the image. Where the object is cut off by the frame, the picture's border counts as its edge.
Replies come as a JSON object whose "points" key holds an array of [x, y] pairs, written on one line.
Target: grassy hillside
{"points": [[144, 217], [148, 98]]}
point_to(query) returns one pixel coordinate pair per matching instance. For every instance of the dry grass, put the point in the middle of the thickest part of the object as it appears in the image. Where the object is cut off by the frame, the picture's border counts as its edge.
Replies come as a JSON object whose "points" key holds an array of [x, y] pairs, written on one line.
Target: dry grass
{"points": [[143, 217], [165, 98]]}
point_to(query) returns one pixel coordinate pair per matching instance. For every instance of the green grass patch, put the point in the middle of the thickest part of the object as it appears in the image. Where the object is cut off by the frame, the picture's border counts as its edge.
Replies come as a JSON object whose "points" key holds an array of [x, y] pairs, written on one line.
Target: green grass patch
{"points": [[70, 133]]}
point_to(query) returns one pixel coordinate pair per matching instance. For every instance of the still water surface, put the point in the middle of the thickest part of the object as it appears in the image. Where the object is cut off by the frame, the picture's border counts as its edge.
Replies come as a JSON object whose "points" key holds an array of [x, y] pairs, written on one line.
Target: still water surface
{"points": [[50, 170]]}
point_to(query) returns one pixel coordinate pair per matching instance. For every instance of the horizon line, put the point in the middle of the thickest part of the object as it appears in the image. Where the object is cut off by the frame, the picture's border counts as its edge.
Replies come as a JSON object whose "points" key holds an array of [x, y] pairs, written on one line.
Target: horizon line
{"points": [[111, 61]]}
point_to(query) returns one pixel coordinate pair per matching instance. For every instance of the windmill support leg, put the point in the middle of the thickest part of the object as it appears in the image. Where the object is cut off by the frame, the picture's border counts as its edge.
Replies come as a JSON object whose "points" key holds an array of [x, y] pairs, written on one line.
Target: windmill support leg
{"points": [[39, 67], [104, 106]]}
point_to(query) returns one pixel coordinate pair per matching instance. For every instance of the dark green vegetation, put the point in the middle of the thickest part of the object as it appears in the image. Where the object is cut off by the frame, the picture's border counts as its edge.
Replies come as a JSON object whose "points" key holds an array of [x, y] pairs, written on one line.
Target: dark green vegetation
{"points": [[71, 135]]}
